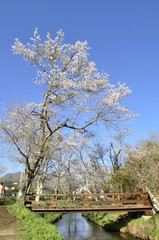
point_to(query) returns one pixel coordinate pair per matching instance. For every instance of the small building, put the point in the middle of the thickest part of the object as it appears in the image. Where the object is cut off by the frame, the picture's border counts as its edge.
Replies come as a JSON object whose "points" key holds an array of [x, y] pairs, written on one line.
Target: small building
{"points": [[11, 188], [45, 190]]}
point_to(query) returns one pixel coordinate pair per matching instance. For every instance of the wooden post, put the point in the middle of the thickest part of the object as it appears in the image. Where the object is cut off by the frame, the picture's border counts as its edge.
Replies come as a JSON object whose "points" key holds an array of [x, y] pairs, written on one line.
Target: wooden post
{"points": [[112, 197], [26, 199], [148, 212], [119, 203], [139, 197], [53, 202], [147, 199], [85, 202]]}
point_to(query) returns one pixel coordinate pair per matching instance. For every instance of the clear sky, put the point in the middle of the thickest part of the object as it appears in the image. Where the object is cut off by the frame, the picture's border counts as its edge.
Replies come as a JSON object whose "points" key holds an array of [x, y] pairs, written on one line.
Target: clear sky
{"points": [[124, 40]]}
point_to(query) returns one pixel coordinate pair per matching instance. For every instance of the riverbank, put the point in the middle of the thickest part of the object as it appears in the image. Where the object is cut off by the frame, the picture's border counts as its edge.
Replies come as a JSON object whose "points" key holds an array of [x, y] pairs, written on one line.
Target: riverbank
{"points": [[138, 227], [33, 226], [7, 225]]}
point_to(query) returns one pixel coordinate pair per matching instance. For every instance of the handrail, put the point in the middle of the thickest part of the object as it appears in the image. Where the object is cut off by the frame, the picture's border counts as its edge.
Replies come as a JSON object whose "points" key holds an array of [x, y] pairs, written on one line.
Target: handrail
{"points": [[89, 202], [87, 194], [104, 197]]}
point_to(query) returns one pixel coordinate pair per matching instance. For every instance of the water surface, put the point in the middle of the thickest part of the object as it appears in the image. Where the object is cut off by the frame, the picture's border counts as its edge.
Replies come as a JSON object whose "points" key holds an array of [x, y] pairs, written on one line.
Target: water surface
{"points": [[76, 227]]}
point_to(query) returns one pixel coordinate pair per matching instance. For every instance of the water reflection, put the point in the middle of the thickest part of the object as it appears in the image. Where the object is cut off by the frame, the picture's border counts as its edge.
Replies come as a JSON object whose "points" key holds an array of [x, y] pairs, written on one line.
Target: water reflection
{"points": [[75, 227]]}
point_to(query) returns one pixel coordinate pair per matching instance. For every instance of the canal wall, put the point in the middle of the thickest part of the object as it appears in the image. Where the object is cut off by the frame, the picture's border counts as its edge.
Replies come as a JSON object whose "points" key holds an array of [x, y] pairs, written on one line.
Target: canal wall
{"points": [[138, 227]]}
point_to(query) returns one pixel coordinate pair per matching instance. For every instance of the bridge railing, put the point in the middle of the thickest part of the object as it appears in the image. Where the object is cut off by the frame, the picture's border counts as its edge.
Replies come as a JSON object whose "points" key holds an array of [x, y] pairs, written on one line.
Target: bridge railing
{"points": [[55, 201]]}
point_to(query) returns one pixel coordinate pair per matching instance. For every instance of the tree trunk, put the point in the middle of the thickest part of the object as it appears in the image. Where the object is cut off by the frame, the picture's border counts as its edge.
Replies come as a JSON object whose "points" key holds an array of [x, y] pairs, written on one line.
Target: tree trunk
{"points": [[24, 189], [20, 197], [40, 184]]}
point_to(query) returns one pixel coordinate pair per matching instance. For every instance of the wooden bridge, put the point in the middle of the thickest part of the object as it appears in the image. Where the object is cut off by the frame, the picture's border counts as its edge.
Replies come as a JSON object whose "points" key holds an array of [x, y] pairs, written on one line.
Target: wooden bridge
{"points": [[104, 202]]}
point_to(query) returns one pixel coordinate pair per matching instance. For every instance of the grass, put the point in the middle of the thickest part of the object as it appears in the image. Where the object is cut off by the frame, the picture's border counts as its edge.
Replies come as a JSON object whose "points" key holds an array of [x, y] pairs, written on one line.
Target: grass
{"points": [[139, 227], [34, 226], [7, 201], [110, 221], [145, 229], [52, 217]]}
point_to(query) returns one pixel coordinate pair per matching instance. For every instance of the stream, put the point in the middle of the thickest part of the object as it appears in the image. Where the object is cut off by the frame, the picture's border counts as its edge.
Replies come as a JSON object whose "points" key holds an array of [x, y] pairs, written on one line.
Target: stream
{"points": [[76, 227]]}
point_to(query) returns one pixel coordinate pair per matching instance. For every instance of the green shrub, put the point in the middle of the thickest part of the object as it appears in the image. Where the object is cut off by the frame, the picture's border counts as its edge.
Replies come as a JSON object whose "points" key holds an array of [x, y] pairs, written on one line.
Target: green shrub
{"points": [[34, 226], [7, 201], [110, 221], [52, 217]]}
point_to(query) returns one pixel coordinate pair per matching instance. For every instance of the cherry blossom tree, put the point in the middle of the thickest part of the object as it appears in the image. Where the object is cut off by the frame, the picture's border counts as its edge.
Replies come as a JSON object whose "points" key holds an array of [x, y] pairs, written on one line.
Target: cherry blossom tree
{"points": [[76, 96], [142, 164]]}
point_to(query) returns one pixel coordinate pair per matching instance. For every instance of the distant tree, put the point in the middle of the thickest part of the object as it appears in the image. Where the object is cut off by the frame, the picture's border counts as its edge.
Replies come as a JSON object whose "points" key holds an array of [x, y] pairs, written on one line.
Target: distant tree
{"points": [[92, 167], [116, 152], [142, 164], [2, 169], [75, 97]]}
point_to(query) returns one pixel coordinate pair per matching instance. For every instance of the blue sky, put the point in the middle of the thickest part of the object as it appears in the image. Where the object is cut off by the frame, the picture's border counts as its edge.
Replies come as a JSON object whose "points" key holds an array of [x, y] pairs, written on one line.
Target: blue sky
{"points": [[124, 40]]}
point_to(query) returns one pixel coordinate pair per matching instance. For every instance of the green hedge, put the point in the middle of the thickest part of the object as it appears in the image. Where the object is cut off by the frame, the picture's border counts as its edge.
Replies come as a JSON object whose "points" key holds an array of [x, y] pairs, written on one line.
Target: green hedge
{"points": [[33, 226]]}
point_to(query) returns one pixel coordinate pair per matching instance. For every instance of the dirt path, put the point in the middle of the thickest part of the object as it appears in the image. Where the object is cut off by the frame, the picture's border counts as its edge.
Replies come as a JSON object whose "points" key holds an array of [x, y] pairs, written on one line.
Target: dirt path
{"points": [[7, 229]]}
